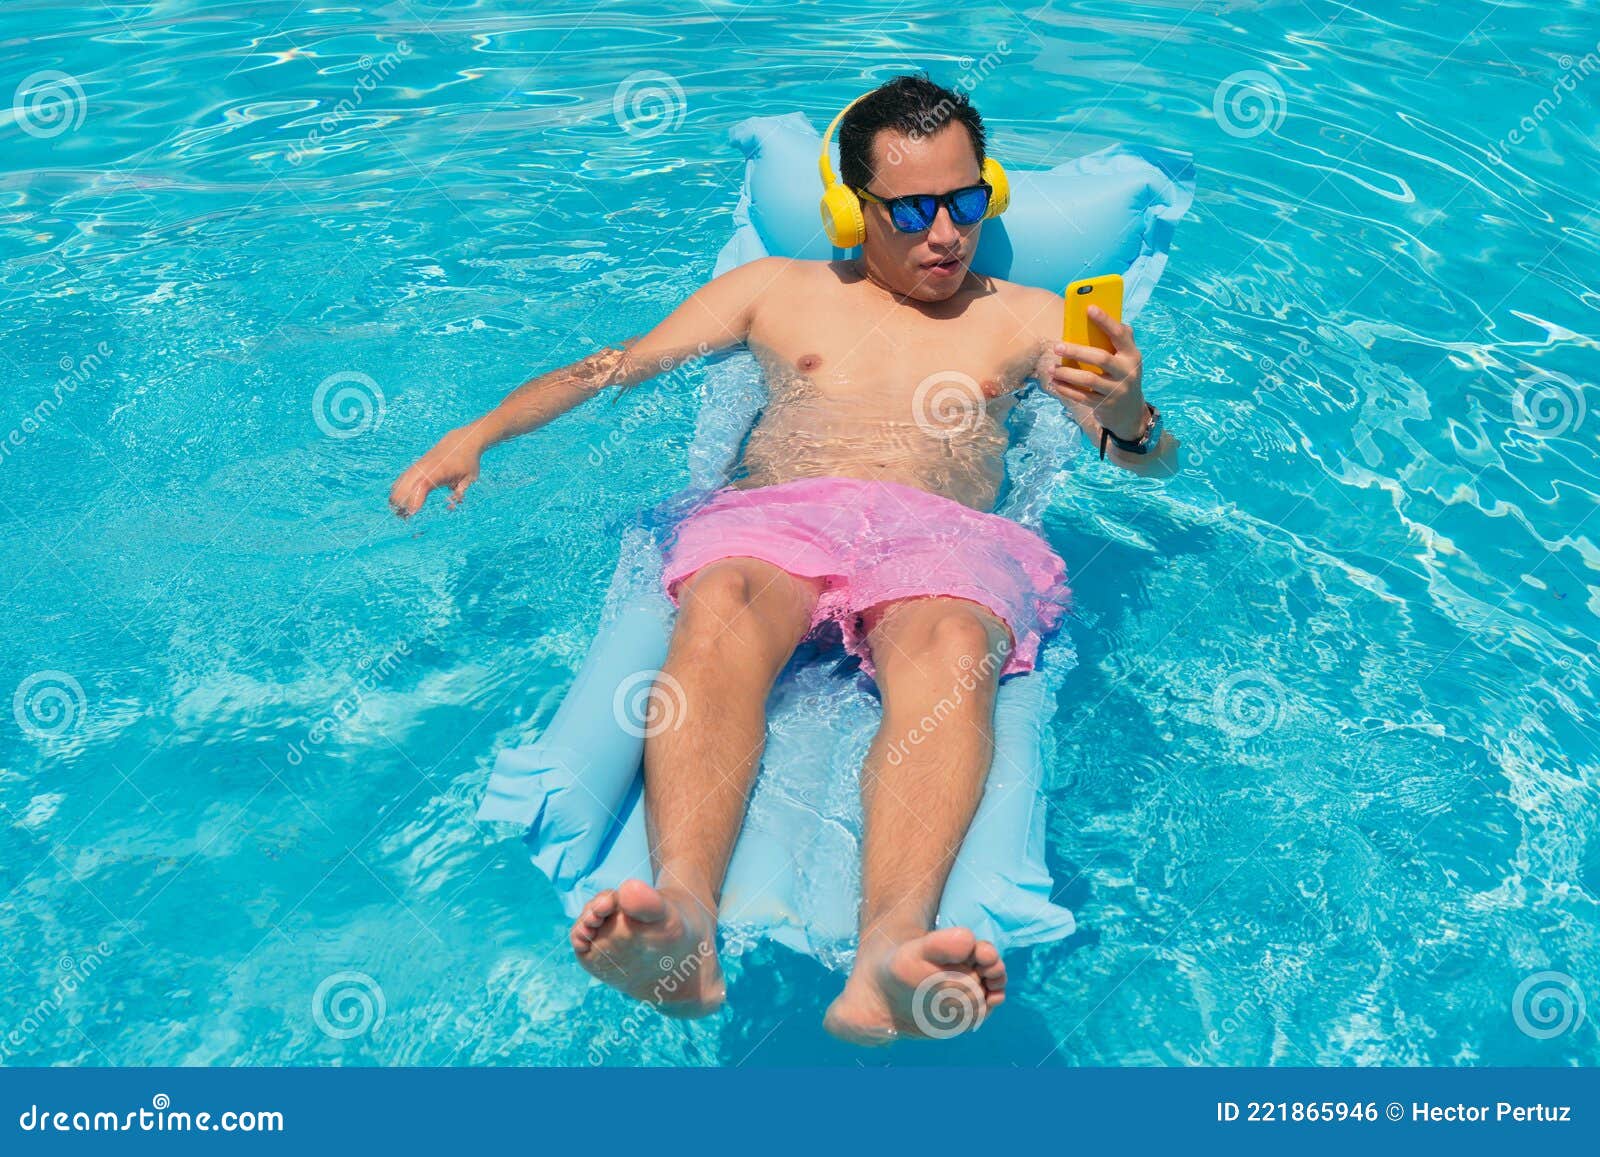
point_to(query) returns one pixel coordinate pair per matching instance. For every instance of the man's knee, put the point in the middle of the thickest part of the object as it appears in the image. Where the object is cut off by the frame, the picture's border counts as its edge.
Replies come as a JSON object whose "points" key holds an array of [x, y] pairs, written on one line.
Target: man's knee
{"points": [[740, 604], [952, 633], [716, 595]]}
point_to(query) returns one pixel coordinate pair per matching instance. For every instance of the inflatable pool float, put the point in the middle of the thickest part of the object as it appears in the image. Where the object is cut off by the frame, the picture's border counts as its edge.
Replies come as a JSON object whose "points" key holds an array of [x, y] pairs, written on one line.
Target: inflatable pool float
{"points": [[794, 876]]}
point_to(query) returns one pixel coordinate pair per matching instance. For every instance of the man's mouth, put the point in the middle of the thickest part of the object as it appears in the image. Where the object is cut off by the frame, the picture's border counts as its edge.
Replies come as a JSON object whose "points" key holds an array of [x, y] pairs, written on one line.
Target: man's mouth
{"points": [[942, 267]]}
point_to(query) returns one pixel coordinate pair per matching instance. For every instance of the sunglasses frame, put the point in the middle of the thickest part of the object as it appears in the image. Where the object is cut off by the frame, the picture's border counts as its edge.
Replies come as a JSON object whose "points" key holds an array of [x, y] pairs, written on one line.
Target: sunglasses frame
{"points": [[946, 200]]}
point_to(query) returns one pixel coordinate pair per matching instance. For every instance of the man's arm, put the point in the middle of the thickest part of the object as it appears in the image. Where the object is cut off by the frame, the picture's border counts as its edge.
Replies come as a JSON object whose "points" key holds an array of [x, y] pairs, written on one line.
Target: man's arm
{"points": [[1112, 399], [715, 316]]}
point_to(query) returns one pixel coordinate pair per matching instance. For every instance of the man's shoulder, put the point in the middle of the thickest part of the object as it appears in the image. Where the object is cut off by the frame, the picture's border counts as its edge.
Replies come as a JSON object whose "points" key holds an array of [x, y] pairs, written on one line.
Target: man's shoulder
{"points": [[1039, 310], [788, 266], [1018, 294], [781, 273]]}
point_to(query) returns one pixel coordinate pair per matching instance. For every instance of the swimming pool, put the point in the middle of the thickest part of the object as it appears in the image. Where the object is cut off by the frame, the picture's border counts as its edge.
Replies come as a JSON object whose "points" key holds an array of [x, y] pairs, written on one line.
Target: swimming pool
{"points": [[1327, 785]]}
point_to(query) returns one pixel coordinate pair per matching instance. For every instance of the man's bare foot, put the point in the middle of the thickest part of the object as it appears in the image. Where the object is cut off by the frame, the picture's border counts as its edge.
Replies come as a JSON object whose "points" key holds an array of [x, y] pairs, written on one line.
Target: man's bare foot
{"points": [[658, 947], [931, 986]]}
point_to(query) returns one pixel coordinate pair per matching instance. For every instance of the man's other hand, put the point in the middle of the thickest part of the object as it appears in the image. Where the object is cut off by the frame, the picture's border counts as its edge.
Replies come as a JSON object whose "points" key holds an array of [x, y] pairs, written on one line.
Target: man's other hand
{"points": [[452, 462]]}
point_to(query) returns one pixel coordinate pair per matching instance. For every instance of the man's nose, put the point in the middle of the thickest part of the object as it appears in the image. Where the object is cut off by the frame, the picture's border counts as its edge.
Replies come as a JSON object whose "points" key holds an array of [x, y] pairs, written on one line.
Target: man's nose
{"points": [[943, 231]]}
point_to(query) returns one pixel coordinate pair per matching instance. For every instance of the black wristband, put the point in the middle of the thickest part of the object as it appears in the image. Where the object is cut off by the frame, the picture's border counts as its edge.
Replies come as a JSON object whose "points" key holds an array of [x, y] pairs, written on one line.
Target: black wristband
{"points": [[1138, 445]]}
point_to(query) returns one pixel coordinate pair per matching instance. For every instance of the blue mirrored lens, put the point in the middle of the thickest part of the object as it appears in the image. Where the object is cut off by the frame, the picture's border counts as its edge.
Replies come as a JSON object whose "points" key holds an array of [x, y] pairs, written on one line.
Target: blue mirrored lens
{"points": [[967, 206], [913, 214]]}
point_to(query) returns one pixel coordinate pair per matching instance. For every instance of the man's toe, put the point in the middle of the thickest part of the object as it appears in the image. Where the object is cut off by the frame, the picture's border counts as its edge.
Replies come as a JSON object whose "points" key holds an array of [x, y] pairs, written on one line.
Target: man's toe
{"points": [[950, 946]]}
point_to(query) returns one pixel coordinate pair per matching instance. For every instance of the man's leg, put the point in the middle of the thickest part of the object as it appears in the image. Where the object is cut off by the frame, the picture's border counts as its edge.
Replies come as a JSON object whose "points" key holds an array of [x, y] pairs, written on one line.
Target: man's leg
{"points": [[938, 663], [739, 620]]}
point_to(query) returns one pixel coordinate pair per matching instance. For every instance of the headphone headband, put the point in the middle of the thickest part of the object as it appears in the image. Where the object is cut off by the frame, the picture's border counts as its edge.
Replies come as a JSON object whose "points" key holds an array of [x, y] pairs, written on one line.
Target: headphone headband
{"points": [[842, 219], [828, 177]]}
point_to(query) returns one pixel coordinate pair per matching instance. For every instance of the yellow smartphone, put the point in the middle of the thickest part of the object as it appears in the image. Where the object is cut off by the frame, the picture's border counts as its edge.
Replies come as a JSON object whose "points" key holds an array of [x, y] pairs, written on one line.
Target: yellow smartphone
{"points": [[1106, 292]]}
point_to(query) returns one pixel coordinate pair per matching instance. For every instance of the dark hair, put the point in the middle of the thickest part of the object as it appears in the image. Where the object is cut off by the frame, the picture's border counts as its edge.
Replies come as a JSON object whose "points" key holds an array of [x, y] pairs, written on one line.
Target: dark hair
{"points": [[911, 105]]}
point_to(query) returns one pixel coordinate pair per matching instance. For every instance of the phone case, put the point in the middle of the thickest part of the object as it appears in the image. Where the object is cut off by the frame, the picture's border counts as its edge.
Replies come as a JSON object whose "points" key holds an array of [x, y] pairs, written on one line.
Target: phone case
{"points": [[1106, 292]]}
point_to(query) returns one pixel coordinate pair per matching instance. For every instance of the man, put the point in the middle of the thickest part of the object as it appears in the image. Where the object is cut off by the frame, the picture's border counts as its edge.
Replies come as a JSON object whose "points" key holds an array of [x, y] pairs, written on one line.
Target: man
{"points": [[862, 497]]}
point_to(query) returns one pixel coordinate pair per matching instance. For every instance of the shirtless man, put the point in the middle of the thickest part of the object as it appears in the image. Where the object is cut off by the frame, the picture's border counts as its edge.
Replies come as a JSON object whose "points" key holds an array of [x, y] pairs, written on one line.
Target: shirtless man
{"points": [[862, 496]]}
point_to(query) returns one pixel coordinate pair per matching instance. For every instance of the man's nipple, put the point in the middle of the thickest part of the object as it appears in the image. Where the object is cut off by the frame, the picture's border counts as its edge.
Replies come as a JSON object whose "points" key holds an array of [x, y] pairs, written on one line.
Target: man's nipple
{"points": [[808, 362]]}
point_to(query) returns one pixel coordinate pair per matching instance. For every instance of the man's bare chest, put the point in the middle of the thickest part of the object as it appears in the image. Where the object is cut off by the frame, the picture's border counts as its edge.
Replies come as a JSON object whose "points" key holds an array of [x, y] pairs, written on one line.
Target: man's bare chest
{"points": [[864, 361]]}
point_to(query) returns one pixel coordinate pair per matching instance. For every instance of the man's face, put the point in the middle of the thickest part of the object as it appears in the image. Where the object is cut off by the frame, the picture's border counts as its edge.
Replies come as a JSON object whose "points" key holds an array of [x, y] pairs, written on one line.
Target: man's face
{"points": [[926, 266]]}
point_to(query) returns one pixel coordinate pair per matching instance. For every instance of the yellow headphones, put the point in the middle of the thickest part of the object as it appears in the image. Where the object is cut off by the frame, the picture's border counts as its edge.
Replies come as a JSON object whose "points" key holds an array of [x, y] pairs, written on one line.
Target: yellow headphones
{"points": [[841, 207]]}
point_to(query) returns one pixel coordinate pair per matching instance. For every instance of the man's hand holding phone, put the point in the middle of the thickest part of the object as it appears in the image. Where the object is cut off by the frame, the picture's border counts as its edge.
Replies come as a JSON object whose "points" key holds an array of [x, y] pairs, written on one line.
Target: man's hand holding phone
{"points": [[1113, 386]]}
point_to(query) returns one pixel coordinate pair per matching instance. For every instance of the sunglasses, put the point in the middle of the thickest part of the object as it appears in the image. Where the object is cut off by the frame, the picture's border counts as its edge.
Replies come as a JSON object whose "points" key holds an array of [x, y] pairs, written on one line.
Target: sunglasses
{"points": [[914, 213]]}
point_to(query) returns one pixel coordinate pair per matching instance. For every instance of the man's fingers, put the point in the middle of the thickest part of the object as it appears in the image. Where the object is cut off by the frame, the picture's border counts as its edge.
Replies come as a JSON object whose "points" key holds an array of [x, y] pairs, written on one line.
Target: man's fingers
{"points": [[1072, 395], [1084, 382], [400, 496], [408, 505], [1083, 353], [410, 491], [1121, 335], [458, 491]]}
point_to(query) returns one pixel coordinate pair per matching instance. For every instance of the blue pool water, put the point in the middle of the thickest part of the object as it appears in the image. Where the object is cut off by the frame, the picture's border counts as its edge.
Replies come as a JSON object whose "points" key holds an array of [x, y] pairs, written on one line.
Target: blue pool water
{"points": [[1328, 783]]}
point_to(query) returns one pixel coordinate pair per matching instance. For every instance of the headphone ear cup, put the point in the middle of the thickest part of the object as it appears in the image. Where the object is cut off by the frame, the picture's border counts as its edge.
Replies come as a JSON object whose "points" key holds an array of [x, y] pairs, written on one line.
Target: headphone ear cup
{"points": [[841, 217], [1000, 197]]}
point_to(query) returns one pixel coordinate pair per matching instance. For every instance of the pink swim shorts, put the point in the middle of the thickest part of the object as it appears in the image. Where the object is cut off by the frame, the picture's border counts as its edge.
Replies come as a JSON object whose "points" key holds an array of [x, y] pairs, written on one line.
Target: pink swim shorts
{"points": [[874, 542]]}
